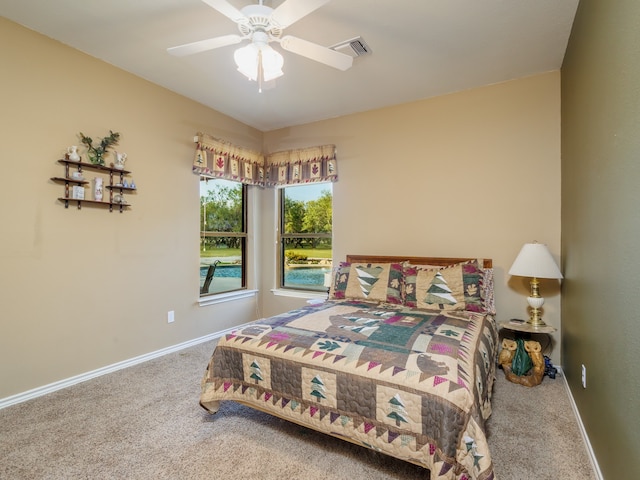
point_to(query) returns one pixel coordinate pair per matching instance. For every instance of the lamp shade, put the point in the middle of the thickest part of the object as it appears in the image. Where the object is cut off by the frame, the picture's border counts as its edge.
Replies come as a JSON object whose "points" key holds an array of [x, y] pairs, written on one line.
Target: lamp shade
{"points": [[535, 260], [246, 59], [254, 57], [272, 63]]}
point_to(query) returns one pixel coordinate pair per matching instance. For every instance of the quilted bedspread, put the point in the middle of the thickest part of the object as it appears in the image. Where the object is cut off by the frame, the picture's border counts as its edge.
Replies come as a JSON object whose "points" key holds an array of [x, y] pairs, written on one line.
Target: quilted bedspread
{"points": [[414, 384]]}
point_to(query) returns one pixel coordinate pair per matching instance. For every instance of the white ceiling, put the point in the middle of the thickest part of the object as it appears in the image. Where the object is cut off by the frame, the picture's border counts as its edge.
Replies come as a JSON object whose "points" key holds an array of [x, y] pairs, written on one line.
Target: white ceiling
{"points": [[421, 49]]}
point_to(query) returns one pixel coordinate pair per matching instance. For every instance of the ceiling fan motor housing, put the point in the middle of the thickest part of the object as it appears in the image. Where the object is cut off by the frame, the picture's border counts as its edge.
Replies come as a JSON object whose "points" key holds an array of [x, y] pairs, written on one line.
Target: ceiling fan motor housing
{"points": [[258, 19]]}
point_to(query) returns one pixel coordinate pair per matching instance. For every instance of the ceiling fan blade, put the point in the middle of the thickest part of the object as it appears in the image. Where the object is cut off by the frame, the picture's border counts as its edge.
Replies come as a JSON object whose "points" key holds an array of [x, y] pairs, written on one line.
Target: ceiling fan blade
{"points": [[316, 52], [291, 11], [204, 45], [226, 9]]}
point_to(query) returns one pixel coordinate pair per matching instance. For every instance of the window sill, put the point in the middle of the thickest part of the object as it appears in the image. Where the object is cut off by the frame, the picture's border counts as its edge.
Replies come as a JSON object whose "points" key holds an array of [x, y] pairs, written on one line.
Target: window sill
{"points": [[282, 292], [226, 297]]}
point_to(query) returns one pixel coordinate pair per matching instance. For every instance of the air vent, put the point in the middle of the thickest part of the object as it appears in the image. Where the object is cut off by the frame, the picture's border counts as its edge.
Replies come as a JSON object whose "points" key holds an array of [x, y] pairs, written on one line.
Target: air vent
{"points": [[356, 47]]}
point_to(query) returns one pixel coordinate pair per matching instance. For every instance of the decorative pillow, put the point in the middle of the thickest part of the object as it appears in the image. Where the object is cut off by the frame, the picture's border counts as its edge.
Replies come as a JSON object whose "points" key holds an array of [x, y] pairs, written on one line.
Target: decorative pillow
{"points": [[487, 291], [337, 288], [456, 287], [378, 282]]}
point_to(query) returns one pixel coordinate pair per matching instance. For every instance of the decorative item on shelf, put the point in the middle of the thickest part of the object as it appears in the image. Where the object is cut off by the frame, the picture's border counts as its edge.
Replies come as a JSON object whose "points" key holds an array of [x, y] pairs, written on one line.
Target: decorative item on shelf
{"points": [[133, 185], [535, 261], [120, 159], [77, 175], [96, 154], [125, 184], [77, 192], [72, 153], [117, 198], [97, 189]]}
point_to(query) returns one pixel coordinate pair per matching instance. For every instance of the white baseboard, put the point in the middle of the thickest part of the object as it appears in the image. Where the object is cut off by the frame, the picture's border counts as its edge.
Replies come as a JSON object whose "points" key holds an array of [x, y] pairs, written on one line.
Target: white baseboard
{"points": [[52, 387], [585, 437]]}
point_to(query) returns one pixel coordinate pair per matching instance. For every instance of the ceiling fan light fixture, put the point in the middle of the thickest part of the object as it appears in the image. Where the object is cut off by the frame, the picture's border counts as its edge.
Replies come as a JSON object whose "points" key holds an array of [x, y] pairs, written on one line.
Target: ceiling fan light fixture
{"points": [[255, 59], [272, 63], [246, 59]]}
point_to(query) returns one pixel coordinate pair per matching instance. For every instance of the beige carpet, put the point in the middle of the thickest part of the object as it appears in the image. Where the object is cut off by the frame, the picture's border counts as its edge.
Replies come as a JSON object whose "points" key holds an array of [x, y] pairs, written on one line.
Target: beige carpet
{"points": [[144, 422]]}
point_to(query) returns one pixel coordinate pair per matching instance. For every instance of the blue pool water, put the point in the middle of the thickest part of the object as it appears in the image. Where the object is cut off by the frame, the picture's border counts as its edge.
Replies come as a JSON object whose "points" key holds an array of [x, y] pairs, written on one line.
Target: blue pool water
{"points": [[305, 276], [292, 276]]}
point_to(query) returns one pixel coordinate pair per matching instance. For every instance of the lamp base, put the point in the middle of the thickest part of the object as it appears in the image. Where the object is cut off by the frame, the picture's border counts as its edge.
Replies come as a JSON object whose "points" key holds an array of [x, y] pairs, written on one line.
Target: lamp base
{"points": [[535, 319], [535, 302]]}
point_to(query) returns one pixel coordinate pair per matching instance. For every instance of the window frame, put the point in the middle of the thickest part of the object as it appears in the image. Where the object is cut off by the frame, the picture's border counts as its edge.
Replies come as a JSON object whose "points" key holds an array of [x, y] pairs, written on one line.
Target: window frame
{"points": [[282, 236], [243, 236]]}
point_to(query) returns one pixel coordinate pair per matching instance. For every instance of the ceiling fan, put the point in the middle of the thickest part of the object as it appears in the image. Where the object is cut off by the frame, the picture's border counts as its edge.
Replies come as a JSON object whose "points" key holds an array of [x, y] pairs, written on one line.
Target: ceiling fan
{"points": [[262, 25]]}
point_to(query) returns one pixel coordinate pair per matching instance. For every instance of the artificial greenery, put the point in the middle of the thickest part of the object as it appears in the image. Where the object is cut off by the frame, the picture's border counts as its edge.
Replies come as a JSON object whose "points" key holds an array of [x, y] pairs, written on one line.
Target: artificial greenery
{"points": [[96, 154]]}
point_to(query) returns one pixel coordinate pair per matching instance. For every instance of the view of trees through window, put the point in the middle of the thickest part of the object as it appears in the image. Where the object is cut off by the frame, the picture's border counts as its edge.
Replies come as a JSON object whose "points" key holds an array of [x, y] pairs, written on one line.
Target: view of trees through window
{"points": [[306, 236], [223, 235]]}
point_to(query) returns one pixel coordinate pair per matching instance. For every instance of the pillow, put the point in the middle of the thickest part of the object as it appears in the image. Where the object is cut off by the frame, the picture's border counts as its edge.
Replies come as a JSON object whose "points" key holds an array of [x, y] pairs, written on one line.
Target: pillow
{"points": [[378, 282], [455, 287], [487, 291]]}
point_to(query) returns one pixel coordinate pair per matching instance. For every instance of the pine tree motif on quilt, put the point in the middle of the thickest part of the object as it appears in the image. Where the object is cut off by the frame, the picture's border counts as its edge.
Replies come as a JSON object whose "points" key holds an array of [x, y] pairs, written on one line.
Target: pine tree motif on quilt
{"points": [[367, 277]]}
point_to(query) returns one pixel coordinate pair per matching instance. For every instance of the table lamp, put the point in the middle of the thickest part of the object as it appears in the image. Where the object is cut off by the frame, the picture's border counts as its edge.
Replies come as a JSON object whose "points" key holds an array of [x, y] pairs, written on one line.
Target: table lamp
{"points": [[535, 261]]}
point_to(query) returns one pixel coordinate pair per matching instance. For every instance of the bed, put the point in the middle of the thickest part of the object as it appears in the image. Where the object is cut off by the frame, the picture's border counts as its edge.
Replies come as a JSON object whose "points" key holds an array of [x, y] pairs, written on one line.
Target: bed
{"points": [[400, 359]]}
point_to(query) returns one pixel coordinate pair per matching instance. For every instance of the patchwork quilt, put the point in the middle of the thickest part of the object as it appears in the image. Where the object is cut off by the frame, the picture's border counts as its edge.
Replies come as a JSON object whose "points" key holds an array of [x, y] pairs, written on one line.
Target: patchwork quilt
{"points": [[411, 383]]}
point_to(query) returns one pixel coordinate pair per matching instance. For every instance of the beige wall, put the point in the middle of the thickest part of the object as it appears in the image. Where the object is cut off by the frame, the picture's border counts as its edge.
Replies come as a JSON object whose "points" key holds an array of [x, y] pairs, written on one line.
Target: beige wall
{"points": [[601, 228], [473, 174], [84, 289]]}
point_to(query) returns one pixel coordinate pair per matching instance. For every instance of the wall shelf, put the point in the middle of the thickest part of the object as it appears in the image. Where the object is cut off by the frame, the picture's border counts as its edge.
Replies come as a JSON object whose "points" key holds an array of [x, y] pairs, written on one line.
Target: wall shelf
{"points": [[115, 187]]}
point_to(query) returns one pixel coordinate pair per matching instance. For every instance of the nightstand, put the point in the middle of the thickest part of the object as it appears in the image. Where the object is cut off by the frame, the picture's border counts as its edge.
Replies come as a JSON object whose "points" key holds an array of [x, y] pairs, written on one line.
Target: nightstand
{"points": [[523, 326], [531, 334], [526, 331]]}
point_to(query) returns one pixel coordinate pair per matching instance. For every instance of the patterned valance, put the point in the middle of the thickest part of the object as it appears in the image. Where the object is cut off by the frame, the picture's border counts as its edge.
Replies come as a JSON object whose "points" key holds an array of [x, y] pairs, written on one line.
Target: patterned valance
{"points": [[305, 165], [219, 159]]}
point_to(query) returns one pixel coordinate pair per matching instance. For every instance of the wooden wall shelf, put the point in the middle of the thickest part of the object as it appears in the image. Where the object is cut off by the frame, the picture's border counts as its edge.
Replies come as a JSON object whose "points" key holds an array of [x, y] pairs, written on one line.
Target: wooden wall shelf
{"points": [[115, 188]]}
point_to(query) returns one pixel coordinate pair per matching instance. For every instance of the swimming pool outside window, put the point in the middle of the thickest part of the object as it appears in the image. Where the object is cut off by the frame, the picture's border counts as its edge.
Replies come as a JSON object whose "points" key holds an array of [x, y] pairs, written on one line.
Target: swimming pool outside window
{"points": [[223, 236], [305, 236]]}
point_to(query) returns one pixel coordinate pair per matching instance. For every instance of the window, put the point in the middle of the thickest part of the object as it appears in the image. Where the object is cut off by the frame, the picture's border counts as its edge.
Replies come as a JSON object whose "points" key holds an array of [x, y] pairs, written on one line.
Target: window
{"points": [[223, 236], [305, 236]]}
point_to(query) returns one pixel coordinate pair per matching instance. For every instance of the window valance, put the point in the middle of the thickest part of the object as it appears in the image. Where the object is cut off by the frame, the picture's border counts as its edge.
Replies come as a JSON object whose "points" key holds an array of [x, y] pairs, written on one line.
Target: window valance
{"points": [[220, 159], [305, 165]]}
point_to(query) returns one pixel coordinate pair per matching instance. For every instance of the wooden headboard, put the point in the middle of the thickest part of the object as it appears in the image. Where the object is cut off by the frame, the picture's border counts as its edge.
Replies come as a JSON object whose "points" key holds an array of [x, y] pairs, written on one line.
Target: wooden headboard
{"points": [[440, 261]]}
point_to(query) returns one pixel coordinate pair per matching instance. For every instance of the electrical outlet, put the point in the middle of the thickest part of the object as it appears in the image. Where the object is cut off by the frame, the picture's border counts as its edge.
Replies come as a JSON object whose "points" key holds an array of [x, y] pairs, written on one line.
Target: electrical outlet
{"points": [[584, 376], [170, 316]]}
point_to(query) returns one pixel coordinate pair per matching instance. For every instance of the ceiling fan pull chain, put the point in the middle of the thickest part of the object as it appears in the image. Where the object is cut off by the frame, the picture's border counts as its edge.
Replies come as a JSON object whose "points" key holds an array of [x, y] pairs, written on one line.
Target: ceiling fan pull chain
{"points": [[260, 70]]}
